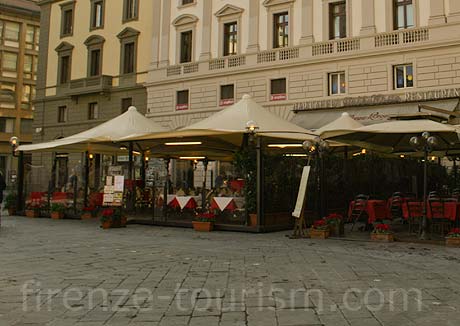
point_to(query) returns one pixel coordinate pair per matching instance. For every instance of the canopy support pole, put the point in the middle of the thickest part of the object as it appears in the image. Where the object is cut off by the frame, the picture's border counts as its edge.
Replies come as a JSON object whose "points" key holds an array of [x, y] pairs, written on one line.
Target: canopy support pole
{"points": [[166, 189], [424, 224], [260, 184], [203, 190], [86, 182], [20, 186], [132, 198]]}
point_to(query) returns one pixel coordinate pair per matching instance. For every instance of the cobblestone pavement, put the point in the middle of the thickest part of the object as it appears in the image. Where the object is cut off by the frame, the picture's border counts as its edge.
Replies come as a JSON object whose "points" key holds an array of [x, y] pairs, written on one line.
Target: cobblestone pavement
{"points": [[73, 273]]}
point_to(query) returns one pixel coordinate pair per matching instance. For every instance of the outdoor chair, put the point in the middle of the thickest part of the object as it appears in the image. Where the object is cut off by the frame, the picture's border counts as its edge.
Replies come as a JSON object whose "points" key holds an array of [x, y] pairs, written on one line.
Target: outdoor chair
{"points": [[415, 214], [438, 219], [358, 209], [396, 202]]}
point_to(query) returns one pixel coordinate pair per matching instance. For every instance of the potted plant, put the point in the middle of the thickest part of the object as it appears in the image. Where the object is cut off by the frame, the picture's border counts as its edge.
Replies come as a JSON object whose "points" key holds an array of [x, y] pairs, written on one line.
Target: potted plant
{"points": [[88, 212], [112, 218], [453, 238], [382, 232], [334, 221], [10, 203], [204, 222], [33, 209], [319, 230], [57, 211]]}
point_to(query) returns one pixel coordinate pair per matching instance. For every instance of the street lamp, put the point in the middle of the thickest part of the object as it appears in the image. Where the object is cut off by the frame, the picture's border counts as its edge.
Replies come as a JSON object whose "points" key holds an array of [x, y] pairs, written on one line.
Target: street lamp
{"points": [[425, 143], [14, 142], [318, 148]]}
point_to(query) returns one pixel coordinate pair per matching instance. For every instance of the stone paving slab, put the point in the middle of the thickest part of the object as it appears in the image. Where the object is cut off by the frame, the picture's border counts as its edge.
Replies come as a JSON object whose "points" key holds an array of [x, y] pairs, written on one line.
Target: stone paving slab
{"points": [[59, 273]]}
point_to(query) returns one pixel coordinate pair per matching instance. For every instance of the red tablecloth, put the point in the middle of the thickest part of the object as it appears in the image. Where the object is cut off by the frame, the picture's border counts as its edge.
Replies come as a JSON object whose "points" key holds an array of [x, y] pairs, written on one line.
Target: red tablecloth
{"points": [[231, 206], [190, 204], [375, 209], [415, 209]]}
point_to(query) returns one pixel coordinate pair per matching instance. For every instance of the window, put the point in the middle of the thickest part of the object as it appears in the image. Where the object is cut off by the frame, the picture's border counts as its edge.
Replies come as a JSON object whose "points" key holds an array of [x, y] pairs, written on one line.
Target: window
{"points": [[128, 58], [62, 114], [230, 38], [30, 67], [32, 37], [64, 76], [186, 46], [278, 89], [125, 104], [186, 2], [97, 14], [131, 10], [7, 125], [182, 100], [403, 14], [9, 64], [7, 95], [227, 95], [337, 20], [93, 111], [337, 84], [403, 76], [95, 62], [67, 20], [27, 99], [27, 126], [10, 32], [281, 30]]}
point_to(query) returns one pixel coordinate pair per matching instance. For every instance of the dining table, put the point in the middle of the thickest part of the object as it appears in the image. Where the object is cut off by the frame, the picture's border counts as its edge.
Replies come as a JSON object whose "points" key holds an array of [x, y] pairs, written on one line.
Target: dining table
{"points": [[451, 210], [225, 203], [189, 202], [375, 209]]}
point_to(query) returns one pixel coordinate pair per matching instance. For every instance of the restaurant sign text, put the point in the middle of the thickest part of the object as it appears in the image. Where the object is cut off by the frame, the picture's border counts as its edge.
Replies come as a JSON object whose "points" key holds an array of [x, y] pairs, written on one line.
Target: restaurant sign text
{"points": [[377, 100]]}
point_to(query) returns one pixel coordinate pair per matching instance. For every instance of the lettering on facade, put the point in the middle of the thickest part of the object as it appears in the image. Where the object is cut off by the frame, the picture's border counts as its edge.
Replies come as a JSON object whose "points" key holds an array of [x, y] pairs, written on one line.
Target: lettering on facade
{"points": [[377, 100]]}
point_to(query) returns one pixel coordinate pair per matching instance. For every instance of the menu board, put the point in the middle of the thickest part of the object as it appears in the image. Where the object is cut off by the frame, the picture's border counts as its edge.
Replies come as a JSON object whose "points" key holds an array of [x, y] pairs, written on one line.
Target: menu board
{"points": [[113, 190], [302, 193]]}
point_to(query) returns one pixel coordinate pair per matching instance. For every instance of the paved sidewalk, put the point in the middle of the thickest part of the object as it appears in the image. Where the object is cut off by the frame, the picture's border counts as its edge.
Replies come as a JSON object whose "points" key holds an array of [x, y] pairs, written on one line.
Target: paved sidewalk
{"points": [[73, 273]]}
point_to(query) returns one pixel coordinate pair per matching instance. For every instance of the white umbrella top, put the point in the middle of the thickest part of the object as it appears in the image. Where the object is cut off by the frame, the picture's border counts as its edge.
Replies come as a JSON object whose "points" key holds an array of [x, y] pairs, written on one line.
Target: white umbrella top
{"points": [[130, 124], [340, 126]]}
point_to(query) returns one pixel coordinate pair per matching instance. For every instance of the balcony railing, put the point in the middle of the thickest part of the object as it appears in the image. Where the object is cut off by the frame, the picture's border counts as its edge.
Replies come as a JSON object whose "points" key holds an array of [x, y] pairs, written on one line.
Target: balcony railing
{"points": [[300, 53], [87, 85]]}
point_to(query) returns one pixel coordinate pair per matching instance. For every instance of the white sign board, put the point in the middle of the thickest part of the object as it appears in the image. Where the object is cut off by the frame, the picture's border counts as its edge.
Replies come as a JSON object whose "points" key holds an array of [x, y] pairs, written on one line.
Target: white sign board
{"points": [[302, 192]]}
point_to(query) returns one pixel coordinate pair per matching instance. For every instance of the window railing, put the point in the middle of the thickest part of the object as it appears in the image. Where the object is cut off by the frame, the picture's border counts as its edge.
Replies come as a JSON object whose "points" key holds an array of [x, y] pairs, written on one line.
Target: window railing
{"points": [[304, 52], [402, 37]]}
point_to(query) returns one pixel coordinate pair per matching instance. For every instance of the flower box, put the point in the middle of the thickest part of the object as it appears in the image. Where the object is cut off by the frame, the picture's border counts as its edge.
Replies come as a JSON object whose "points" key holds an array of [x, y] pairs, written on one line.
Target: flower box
{"points": [[57, 215], [382, 237], [319, 234], [203, 226], [112, 218], [32, 213], [453, 242], [86, 216], [252, 219]]}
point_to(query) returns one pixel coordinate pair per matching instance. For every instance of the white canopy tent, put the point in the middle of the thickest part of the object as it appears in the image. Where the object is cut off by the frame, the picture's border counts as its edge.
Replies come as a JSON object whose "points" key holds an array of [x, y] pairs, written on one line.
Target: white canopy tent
{"points": [[343, 125], [130, 124]]}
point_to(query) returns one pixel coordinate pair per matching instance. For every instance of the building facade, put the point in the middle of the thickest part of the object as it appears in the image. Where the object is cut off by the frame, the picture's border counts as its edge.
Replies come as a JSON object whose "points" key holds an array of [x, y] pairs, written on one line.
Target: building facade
{"points": [[94, 59], [306, 60], [19, 33]]}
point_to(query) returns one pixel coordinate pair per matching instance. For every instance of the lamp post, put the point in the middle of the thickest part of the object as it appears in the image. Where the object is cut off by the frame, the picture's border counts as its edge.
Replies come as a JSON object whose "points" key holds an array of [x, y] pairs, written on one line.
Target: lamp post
{"points": [[203, 190], [425, 143], [14, 142], [251, 128], [319, 147], [166, 188]]}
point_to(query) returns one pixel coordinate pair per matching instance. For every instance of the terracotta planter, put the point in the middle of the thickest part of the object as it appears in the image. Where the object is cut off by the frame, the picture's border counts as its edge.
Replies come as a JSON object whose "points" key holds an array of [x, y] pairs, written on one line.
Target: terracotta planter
{"points": [[86, 216], [382, 237], [319, 234], [11, 211], [106, 224], [57, 215], [124, 221], [453, 242], [252, 219], [203, 226], [31, 213]]}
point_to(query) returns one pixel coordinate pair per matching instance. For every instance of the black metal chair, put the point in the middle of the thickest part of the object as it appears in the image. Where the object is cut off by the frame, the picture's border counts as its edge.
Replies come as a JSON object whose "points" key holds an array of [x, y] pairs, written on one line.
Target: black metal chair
{"points": [[395, 205], [436, 210], [358, 208]]}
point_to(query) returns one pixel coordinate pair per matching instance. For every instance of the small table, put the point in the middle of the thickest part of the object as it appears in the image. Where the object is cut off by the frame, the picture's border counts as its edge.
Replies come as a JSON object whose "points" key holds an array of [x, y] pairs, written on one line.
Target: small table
{"points": [[183, 202], [375, 209], [224, 203]]}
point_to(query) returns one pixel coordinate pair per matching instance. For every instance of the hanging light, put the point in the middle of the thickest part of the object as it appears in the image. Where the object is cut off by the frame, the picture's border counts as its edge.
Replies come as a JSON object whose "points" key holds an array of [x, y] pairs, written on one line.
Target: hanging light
{"points": [[185, 143], [363, 151], [90, 156]]}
